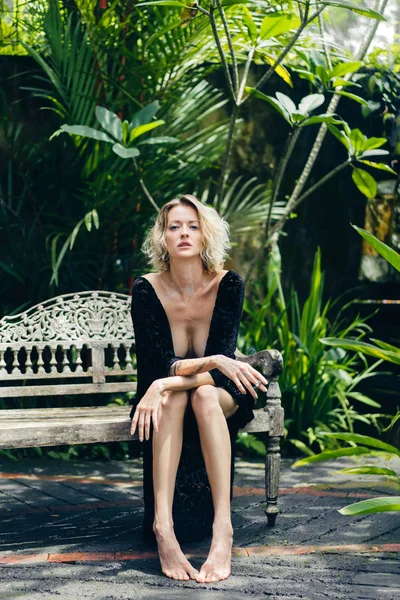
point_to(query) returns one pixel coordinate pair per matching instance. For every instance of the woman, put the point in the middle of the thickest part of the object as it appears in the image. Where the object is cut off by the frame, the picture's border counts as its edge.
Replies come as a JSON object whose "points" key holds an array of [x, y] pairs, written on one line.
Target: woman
{"points": [[186, 319]]}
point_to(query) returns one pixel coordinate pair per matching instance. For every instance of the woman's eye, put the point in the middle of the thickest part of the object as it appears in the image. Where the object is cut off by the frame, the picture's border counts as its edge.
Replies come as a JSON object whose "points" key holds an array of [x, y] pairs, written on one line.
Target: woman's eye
{"points": [[194, 227]]}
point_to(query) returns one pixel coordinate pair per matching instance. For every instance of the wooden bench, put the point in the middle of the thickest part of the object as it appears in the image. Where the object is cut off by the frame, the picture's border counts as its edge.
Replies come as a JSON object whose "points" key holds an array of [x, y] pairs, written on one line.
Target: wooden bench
{"points": [[84, 344]]}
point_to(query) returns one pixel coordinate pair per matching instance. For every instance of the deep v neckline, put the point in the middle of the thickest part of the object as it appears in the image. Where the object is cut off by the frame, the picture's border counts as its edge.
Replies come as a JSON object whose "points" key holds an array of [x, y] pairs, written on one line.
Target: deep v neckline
{"points": [[166, 316]]}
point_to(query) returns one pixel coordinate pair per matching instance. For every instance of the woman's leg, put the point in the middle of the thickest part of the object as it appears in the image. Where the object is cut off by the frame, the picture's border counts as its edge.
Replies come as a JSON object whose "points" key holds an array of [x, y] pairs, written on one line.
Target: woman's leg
{"points": [[212, 406], [167, 447]]}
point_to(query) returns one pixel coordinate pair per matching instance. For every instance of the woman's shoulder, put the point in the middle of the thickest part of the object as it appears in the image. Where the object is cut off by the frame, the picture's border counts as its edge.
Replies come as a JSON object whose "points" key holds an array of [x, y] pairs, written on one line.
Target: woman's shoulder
{"points": [[232, 277]]}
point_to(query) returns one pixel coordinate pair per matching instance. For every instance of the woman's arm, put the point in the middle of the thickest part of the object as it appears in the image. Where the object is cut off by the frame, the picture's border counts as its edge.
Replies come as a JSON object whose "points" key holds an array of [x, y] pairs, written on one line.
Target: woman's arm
{"points": [[193, 366], [176, 383]]}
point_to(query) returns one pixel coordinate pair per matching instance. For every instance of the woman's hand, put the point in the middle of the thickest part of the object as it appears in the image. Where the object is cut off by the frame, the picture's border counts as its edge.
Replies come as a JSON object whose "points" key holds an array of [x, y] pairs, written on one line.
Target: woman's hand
{"points": [[147, 409], [242, 374]]}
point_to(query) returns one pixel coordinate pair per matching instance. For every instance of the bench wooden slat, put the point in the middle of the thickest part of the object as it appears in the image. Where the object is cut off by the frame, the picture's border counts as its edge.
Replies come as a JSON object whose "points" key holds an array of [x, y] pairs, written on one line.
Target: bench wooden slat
{"points": [[61, 390], [80, 425]]}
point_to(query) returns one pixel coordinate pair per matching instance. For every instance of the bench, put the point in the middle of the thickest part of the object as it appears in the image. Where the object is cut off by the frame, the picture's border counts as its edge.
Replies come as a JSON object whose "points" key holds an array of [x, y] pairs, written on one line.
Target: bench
{"points": [[84, 344]]}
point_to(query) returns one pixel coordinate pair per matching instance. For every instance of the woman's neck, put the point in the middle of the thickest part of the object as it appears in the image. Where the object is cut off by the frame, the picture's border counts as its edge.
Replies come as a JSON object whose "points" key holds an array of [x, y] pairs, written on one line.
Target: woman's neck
{"points": [[187, 277]]}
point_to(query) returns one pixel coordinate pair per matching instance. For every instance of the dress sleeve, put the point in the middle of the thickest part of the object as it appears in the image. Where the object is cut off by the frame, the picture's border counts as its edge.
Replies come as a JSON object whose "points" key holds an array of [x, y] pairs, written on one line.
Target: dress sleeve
{"points": [[153, 340], [225, 329]]}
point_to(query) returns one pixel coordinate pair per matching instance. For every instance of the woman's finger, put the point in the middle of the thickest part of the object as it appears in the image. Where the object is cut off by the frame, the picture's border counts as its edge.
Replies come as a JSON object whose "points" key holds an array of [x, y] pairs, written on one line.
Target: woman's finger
{"points": [[155, 420], [147, 421], [134, 422], [141, 426], [248, 385], [238, 384]]}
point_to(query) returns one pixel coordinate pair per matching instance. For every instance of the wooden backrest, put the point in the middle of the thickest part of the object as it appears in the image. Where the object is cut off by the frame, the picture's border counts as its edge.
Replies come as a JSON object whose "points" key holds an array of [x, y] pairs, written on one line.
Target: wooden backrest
{"points": [[88, 334]]}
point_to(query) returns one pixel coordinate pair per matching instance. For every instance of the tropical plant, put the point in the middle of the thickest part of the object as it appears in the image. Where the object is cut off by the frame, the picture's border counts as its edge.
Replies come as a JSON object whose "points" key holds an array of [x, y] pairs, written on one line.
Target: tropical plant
{"points": [[320, 388], [360, 444]]}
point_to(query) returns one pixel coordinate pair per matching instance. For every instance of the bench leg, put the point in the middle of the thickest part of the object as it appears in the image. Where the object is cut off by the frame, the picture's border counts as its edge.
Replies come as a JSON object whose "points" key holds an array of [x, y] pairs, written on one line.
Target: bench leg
{"points": [[272, 472]]}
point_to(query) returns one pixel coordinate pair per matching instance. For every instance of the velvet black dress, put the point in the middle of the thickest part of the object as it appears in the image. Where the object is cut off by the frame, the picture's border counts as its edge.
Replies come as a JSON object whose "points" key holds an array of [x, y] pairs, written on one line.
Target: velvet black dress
{"points": [[192, 508]]}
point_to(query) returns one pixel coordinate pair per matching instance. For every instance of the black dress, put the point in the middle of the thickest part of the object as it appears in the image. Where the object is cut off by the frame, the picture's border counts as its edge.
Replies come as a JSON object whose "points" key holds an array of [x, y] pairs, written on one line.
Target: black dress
{"points": [[192, 508]]}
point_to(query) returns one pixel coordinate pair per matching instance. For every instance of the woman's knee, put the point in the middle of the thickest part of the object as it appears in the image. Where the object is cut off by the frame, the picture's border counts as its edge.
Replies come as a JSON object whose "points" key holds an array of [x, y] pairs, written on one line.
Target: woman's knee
{"points": [[204, 400], [176, 400]]}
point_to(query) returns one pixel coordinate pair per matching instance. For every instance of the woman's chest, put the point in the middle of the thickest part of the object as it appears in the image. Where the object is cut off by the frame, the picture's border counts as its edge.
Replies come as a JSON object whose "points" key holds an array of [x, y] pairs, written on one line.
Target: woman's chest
{"points": [[190, 323]]}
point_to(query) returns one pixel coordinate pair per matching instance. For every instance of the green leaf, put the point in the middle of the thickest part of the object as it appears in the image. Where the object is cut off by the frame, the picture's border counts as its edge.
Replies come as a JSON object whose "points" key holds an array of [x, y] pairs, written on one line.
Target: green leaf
{"points": [[374, 142], [380, 166], [343, 68], [248, 21], [110, 122], [357, 139], [330, 455], [357, 8], [88, 220], [371, 506], [141, 129], [362, 398], [363, 347], [286, 102], [144, 115], [310, 103], [95, 218], [391, 255], [369, 470], [74, 234], [352, 97], [325, 118], [159, 140], [339, 135], [366, 440], [365, 183], [125, 152], [274, 25], [385, 346], [369, 153], [174, 3], [338, 82], [281, 109], [84, 131]]}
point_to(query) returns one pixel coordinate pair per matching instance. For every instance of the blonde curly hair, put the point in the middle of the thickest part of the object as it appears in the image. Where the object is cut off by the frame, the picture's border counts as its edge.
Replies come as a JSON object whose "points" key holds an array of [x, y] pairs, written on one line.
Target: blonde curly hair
{"points": [[215, 236]]}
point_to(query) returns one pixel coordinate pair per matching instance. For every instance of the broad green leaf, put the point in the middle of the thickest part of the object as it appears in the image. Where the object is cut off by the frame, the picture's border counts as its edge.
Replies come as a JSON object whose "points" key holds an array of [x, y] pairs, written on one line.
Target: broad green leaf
{"points": [[330, 455], [369, 153], [341, 69], [144, 115], [357, 8], [391, 255], [141, 129], [343, 139], [74, 234], [352, 97], [281, 109], [88, 221], [366, 440], [374, 142], [369, 470], [386, 346], [325, 118], [274, 25], [338, 82], [310, 103], [362, 398], [84, 131], [248, 21], [174, 3], [159, 140], [372, 505], [287, 102], [358, 140], [95, 218], [358, 346], [125, 152], [365, 183], [110, 122], [380, 166]]}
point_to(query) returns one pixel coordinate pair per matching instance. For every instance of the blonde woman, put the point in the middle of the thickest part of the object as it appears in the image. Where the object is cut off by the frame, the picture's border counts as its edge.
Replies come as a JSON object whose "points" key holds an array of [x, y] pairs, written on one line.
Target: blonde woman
{"points": [[191, 393]]}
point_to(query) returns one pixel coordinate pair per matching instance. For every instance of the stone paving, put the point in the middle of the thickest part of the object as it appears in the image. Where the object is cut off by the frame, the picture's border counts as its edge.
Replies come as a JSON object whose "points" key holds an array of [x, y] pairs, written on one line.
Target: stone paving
{"points": [[73, 530]]}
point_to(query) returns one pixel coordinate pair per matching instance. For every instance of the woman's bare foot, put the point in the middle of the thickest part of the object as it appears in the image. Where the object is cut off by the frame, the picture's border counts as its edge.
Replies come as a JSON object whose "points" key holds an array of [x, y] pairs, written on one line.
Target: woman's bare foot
{"points": [[174, 563], [218, 563]]}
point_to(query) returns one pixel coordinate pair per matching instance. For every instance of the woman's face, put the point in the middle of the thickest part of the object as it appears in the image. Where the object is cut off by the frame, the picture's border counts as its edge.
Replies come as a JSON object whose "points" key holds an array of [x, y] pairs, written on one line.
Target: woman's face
{"points": [[183, 235]]}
